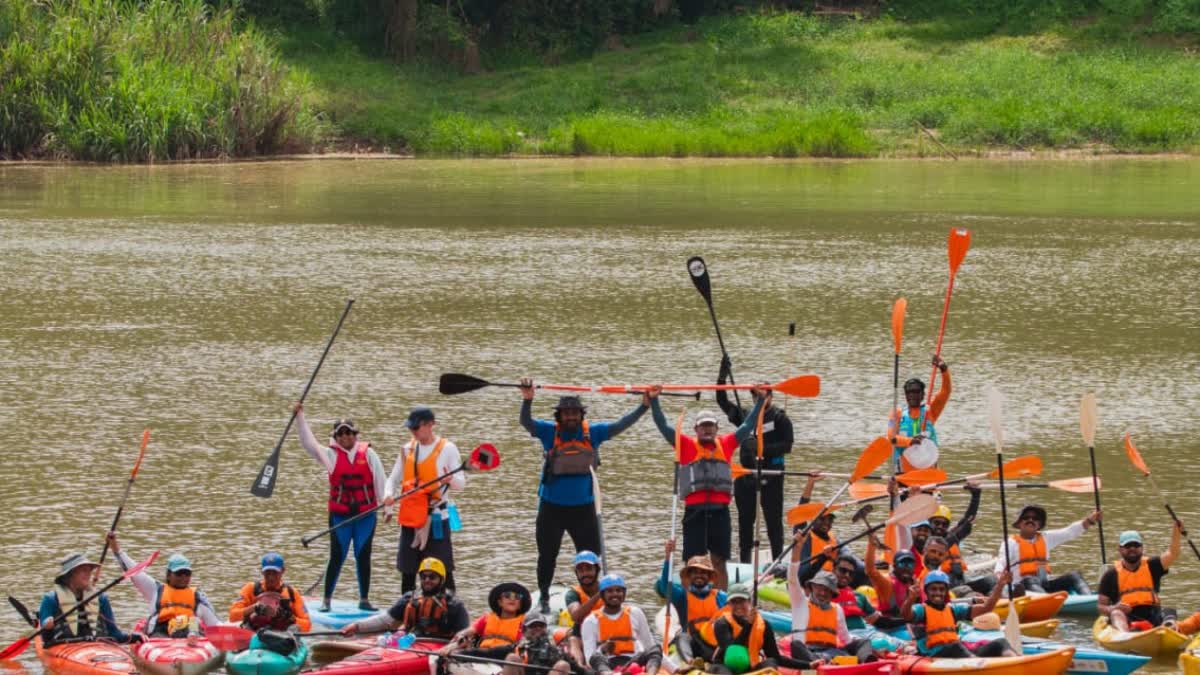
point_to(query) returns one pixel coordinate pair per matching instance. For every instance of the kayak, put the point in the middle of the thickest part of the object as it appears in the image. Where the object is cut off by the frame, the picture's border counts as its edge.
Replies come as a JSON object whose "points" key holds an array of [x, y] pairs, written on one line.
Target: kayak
{"points": [[384, 661], [328, 651], [1033, 606], [1040, 629], [177, 656], [341, 613], [1156, 642], [85, 658], [259, 661], [1086, 660], [1050, 663], [1080, 604], [876, 668], [1189, 660]]}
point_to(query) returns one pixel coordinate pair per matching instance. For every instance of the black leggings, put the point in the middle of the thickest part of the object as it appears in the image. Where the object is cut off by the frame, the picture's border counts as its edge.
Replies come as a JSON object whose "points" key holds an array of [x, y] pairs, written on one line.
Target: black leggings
{"points": [[1071, 582], [552, 521], [770, 495]]}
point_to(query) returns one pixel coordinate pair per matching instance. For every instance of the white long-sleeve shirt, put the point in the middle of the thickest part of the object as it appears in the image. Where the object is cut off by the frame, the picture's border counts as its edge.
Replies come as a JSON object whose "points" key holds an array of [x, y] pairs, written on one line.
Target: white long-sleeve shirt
{"points": [[799, 600], [147, 587], [448, 460], [326, 455], [642, 637], [1053, 538]]}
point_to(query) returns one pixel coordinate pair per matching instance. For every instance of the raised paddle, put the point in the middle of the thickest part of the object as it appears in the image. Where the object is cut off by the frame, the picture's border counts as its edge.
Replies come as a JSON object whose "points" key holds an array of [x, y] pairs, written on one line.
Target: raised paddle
{"points": [[23, 611], [913, 510], [930, 475], [899, 308], [264, 482], [16, 648], [1087, 426], [1140, 464], [484, 457], [1012, 625], [125, 497], [674, 515], [1023, 467], [1082, 485], [758, 462], [957, 245], [800, 386], [698, 271], [456, 383]]}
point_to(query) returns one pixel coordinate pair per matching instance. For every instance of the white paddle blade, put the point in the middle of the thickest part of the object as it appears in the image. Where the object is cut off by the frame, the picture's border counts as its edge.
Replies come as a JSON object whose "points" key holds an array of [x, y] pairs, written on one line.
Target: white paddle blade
{"points": [[914, 510], [1012, 631], [1087, 419], [995, 416]]}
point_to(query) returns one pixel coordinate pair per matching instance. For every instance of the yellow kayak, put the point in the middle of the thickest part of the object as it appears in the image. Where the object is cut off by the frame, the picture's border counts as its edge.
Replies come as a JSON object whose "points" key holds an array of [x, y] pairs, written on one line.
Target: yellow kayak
{"points": [[1033, 607], [1189, 660], [1156, 642], [1039, 629]]}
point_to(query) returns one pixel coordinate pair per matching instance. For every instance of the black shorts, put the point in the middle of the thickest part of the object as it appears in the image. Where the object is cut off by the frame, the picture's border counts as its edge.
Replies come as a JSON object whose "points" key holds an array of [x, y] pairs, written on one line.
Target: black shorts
{"points": [[707, 530]]}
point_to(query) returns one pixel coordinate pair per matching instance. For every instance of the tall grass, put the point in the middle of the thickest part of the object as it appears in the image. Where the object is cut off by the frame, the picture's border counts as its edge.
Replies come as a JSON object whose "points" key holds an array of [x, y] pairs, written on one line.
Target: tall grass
{"points": [[127, 80]]}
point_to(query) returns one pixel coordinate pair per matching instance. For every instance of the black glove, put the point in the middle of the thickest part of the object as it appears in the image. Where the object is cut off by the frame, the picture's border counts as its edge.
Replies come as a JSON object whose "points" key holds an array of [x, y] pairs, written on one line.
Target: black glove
{"points": [[726, 369]]}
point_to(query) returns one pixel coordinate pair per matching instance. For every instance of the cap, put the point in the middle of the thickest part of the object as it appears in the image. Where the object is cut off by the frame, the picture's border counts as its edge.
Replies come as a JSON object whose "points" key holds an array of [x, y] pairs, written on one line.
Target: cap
{"points": [[272, 561], [418, 416], [1037, 511], [570, 403], [433, 565], [825, 579], [1129, 537], [937, 577], [738, 591], [902, 556], [534, 617], [70, 563], [344, 422], [586, 558], [179, 562], [699, 562], [611, 581], [706, 417]]}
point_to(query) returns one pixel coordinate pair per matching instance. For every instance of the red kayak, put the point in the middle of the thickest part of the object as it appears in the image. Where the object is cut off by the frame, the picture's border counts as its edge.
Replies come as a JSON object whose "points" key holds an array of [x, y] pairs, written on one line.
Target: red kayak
{"points": [[177, 656], [384, 661]]}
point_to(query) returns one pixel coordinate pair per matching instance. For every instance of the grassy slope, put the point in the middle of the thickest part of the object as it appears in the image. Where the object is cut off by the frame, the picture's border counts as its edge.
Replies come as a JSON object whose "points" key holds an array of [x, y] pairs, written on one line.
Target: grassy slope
{"points": [[779, 85]]}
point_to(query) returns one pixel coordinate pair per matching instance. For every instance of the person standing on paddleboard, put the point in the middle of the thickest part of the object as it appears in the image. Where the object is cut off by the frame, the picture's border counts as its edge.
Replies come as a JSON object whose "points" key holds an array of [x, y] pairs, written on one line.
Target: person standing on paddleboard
{"points": [[912, 424], [425, 516], [570, 450], [777, 442], [356, 479], [706, 480]]}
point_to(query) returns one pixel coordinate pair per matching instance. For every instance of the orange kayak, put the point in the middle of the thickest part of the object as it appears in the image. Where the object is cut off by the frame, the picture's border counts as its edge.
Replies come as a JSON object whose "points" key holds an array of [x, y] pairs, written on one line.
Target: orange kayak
{"points": [[1048, 663], [1033, 607], [85, 658]]}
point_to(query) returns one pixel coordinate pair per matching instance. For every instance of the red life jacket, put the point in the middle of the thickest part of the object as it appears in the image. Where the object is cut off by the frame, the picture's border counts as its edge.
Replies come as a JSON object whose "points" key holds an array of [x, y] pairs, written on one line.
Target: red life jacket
{"points": [[848, 599], [352, 483]]}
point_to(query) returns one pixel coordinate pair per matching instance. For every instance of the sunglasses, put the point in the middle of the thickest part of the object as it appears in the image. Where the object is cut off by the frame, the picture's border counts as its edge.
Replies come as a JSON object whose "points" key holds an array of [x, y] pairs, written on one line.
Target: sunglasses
{"points": [[182, 573], [429, 575], [1029, 519], [510, 595], [905, 563], [845, 570]]}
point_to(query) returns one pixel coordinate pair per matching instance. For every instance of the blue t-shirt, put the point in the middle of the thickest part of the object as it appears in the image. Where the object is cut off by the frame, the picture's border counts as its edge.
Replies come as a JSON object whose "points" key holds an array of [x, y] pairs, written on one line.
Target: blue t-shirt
{"points": [[568, 490], [961, 611]]}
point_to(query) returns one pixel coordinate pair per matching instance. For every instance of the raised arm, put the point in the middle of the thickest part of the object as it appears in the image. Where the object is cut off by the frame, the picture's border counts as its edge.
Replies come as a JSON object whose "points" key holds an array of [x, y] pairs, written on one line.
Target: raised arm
{"points": [[627, 421], [743, 432], [660, 421], [943, 394], [310, 443], [731, 409], [1173, 552]]}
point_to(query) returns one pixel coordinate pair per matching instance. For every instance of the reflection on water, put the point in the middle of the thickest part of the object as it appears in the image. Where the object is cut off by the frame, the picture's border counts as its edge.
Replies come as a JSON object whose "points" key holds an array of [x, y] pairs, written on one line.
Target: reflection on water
{"points": [[196, 299]]}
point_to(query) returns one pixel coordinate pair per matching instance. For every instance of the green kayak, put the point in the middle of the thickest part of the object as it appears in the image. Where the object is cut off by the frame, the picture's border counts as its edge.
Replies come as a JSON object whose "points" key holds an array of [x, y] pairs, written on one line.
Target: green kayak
{"points": [[259, 661]]}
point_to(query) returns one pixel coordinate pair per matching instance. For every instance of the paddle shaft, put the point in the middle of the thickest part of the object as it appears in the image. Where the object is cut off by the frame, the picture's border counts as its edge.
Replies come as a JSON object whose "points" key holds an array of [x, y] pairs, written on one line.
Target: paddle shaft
{"points": [[1096, 492], [1004, 519], [1181, 530], [955, 261], [671, 558], [867, 532], [596, 499], [476, 659], [788, 549], [125, 497], [586, 389], [264, 484]]}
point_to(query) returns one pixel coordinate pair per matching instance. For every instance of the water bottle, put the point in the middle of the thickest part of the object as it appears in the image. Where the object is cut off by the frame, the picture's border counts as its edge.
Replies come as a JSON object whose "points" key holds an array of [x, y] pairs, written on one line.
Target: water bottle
{"points": [[384, 640], [435, 530], [406, 640], [455, 521]]}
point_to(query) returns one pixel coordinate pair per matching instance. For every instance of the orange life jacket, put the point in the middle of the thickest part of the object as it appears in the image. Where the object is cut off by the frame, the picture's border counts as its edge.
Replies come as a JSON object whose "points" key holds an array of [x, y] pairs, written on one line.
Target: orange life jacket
{"points": [[619, 630], [1136, 587], [700, 610], [172, 602], [1032, 555], [818, 544], [571, 457], [753, 642], [414, 509], [822, 626], [284, 616], [940, 626], [351, 483], [424, 613], [498, 632], [954, 555]]}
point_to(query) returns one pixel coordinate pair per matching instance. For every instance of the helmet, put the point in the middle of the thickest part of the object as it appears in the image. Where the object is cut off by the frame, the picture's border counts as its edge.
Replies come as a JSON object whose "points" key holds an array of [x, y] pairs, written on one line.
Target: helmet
{"points": [[433, 565], [868, 591], [611, 581], [586, 557], [937, 577], [942, 512]]}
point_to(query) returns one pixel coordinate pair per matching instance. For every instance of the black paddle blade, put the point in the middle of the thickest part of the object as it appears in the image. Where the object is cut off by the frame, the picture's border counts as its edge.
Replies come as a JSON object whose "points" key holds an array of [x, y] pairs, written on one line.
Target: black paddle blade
{"points": [[23, 611], [457, 383], [485, 457], [264, 483], [862, 513], [699, 272]]}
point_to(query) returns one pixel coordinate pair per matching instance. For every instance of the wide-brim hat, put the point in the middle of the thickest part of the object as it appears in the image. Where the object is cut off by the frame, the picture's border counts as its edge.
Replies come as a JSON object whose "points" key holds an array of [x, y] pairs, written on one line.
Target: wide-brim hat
{"points": [[699, 562], [494, 596], [69, 564], [1037, 511], [825, 579]]}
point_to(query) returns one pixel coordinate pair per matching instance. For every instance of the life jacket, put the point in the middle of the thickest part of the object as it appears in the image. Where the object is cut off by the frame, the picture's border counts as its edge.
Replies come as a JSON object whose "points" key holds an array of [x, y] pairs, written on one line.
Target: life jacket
{"points": [[81, 627], [817, 543], [752, 642], [822, 626], [848, 598], [498, 632], [351, 483], [619, 630], [953, 556], [169, 603], [940, 626], [583, 595], [1136, 588], [414, 508], [284, 617], [571, 457], [709, 471], [424, 613], [1032, 555], [700, 610], [900, 591], [910, 426]]}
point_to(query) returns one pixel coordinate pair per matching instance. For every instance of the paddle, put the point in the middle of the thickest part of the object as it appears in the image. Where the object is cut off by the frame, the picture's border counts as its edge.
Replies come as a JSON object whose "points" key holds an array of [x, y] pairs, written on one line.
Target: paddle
{"points": [[911, 511], [792, 339], [23, 611], [1012, 623], [800, 386], [484, 457], [899, 308], [1140, 464], [674, 515], [264, 483], [456, 383], [758, 461], [125, 497], [957, 245], [871, 458], [1087, 426], [930, 475], [699, 274], [22, 644], [1024, 466], [476, 659], [1082, 485], [596, 500]]}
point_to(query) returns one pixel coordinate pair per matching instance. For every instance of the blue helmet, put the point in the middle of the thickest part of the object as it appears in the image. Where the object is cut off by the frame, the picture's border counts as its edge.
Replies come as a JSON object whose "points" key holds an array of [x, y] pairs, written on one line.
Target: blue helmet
{"points": [[611, 581], [937, 577], [587, 557]]}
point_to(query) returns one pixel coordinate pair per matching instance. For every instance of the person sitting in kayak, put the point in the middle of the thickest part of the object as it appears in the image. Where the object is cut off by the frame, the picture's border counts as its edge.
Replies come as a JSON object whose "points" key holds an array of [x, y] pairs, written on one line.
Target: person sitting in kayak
{"points": [[618, 634], [912, 424], [93, 621], [934, 622], [743, 640], [175, 606], [856, 607], [495, 634], [819, 617], [696, 603], [434, 612], [820, 547], [1129, 589], [953, 564], [537, 648], [1029, 551], [706, 480], [582, 599], [269, 602], [894, 588]]}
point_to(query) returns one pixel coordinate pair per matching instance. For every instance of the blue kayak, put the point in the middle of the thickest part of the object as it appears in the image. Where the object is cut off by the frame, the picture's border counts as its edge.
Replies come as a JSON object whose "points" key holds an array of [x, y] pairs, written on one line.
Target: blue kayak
{"points": [[259, 661], [1085, 660], [1084, 605], [341, 613]]}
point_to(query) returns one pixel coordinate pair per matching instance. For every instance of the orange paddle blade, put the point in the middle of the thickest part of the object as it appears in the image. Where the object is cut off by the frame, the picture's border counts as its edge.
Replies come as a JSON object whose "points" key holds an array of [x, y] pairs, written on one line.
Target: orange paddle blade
{"points": [[898, 311], [1135, 456], [1021, 467], [801, 386], [875, 454], [1081, 485], [802, 513], [922, 476], [867, 490], [960, 241], [141, 453], [738, 469]]}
